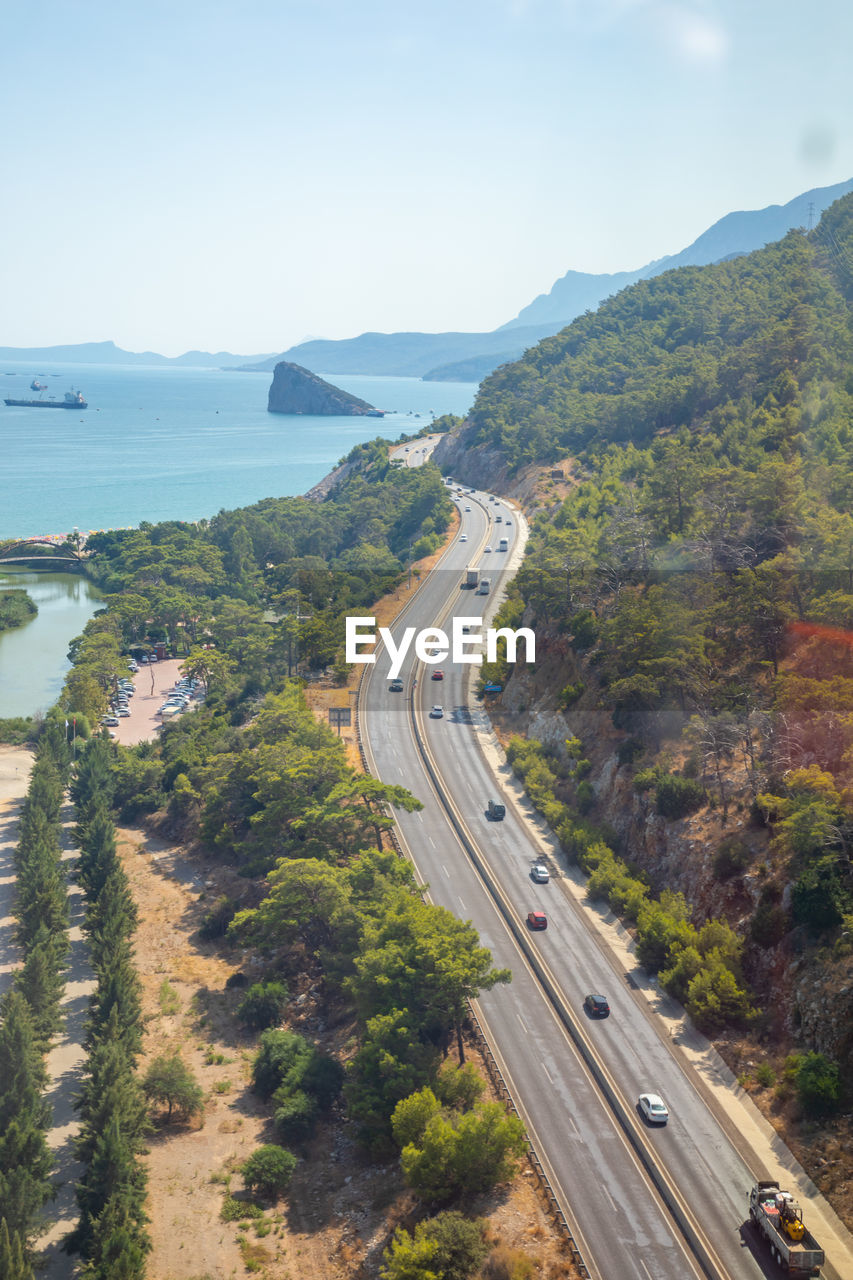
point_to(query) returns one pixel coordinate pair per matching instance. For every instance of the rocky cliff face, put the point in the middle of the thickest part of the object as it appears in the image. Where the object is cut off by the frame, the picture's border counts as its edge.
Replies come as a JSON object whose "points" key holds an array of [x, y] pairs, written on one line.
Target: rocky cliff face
{"points": [[297, 390]]}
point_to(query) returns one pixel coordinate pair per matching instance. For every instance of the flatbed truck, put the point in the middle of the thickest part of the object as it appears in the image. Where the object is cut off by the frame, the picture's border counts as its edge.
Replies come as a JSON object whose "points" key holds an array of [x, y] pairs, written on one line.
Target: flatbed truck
{"points": [[779, 1218]]}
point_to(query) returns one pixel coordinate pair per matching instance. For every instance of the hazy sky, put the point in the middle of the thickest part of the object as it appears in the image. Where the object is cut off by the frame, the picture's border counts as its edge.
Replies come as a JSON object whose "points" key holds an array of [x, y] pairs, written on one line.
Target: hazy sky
{"points": [[203, 173]]}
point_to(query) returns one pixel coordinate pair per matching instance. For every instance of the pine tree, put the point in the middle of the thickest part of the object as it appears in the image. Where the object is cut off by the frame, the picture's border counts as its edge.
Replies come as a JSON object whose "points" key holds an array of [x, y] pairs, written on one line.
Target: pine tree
{"points": [[119, 1244]]}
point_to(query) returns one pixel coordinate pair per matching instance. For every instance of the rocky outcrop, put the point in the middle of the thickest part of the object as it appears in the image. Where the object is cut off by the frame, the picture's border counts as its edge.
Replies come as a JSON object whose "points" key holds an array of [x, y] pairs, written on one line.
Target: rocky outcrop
{"points": [[298, 391]]}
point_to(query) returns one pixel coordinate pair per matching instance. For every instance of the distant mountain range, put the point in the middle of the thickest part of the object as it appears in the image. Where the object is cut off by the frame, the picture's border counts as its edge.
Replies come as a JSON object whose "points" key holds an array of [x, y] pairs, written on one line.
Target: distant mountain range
{"points": [[469, 357], [109, 353]]}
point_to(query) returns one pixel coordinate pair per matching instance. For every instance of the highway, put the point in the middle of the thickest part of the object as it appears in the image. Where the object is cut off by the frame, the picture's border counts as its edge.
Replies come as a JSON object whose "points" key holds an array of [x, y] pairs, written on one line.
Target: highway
{"points": [[597, 1154]]}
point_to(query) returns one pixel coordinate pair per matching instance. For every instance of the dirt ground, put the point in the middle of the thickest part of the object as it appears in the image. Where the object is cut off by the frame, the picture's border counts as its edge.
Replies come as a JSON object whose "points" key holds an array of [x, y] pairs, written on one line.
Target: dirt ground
{"points": [[341, 1211]]}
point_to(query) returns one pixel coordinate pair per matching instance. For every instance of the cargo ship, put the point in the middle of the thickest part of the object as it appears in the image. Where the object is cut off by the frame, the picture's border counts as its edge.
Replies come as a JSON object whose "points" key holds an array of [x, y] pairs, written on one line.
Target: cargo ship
{"points": [[72, 400]]}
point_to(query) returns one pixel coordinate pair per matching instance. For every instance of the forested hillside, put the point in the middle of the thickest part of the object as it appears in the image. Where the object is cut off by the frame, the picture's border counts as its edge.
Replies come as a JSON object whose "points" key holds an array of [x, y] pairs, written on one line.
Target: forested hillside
{"points": [[693, 599]]}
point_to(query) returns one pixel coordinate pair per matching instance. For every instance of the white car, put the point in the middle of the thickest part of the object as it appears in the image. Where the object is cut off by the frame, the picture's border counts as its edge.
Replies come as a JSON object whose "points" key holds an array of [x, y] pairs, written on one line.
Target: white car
{"points": [[463, 537], [486, 549], [467, 508], [539, 873], [437, 713], [653, 1108]]}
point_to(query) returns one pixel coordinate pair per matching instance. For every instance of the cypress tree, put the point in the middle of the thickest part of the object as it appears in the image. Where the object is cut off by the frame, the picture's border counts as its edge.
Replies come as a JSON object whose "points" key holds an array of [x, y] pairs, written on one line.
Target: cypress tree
{"points": [[42, 898], [113, 1171], [93, 782], [118, 989], [40, 982], [13, 1260], [97, 851], [110, 1088], [119, 1244], [25, 1161]]}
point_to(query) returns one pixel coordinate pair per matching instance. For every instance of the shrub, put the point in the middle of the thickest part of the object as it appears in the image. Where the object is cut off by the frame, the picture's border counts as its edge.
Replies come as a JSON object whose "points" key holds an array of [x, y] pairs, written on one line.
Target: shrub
{"points": [[269, 1170], [731, 857], [676, 796], [570, 693], [263, 1004], [769, 924], [645, 779], [765, 1075], [817, 1083], [448, 1245], [583, 629], [170, 1082], [296, 1116], [628, 750], [585, 797], [215, 922]]}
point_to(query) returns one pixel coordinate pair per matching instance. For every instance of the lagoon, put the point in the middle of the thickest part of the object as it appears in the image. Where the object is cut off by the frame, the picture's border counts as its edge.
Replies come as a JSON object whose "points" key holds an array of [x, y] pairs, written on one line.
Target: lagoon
{"points": [[33, 658]]}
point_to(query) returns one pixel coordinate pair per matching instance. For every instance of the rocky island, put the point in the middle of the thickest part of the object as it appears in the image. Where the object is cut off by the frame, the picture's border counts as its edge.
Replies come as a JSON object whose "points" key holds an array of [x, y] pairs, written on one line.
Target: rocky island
{"points": [[297, 390]]}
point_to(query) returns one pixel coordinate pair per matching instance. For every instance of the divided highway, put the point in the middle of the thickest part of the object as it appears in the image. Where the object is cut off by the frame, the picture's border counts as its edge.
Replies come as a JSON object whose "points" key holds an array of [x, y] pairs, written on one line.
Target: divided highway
{"points": [[655, 1204]]}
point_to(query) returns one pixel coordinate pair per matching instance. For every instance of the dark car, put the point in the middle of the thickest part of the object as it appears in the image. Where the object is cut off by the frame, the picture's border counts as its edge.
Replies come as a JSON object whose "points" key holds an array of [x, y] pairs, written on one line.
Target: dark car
{"points": [[596, 1006], [537, 920], [396, 686], [495, 812]]}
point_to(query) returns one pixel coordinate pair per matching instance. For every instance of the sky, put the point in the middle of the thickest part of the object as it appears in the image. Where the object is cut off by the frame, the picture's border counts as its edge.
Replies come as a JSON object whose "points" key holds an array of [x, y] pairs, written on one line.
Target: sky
{"points": [[204, 174]]}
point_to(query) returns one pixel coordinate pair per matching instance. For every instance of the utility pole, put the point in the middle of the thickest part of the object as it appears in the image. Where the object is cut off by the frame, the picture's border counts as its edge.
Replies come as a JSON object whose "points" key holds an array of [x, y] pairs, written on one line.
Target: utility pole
{"points": [[811, 214]]}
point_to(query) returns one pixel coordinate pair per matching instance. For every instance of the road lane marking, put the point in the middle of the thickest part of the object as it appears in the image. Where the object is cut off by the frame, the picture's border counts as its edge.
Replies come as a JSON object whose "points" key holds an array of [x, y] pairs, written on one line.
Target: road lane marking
{"points": [[548, 1074], [523, 1023], [432, 842], [444, 869], [462, 904]]}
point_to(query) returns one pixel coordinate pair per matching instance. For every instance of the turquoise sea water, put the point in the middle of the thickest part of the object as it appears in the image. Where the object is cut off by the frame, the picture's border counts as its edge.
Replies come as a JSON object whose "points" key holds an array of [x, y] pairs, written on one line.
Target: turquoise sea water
{"points": [[179, 444]]}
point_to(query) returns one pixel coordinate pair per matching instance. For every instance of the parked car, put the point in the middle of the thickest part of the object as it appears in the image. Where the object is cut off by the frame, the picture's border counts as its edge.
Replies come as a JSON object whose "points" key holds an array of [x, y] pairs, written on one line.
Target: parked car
{"points": [[537, 920], [596, 1006], [653, 1108]]}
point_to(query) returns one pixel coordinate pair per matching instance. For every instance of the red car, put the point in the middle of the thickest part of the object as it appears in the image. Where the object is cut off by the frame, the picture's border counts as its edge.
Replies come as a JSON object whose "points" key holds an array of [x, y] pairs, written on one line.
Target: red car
{"points": [[438, 675], [537, 920]]}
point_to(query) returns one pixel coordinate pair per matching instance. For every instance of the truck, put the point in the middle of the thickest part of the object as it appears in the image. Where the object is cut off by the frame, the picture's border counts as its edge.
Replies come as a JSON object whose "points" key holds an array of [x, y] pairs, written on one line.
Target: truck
{"points": [[779, 1219], [472, 577], [484, 587], [503, 545]]}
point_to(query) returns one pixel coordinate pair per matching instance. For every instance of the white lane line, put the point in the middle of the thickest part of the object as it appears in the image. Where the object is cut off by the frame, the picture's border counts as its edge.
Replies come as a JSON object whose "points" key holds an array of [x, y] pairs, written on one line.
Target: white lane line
{"points": [[523, 1023], [462, 905], [444, 869], [432, 842], [645, 1268], [548, 1074], [614, 1207]]}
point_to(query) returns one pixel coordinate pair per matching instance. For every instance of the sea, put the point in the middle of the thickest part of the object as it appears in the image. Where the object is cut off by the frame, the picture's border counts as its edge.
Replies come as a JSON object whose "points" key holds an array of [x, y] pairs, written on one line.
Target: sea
{"points": [[156, 444], [165, 443]]}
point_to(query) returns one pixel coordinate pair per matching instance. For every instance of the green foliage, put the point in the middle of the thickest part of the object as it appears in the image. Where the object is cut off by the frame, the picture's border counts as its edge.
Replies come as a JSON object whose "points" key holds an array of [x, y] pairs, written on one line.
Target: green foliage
{"points": [[16, 608], [269, 1170], [17, 731], [302, 1081], [463, 1155], [676, 797], [731, 858], [818, 1084], [263, 1004], [169, 1082], [446, 1247], [215, 922], [234, 1210], [14, 1264]]}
